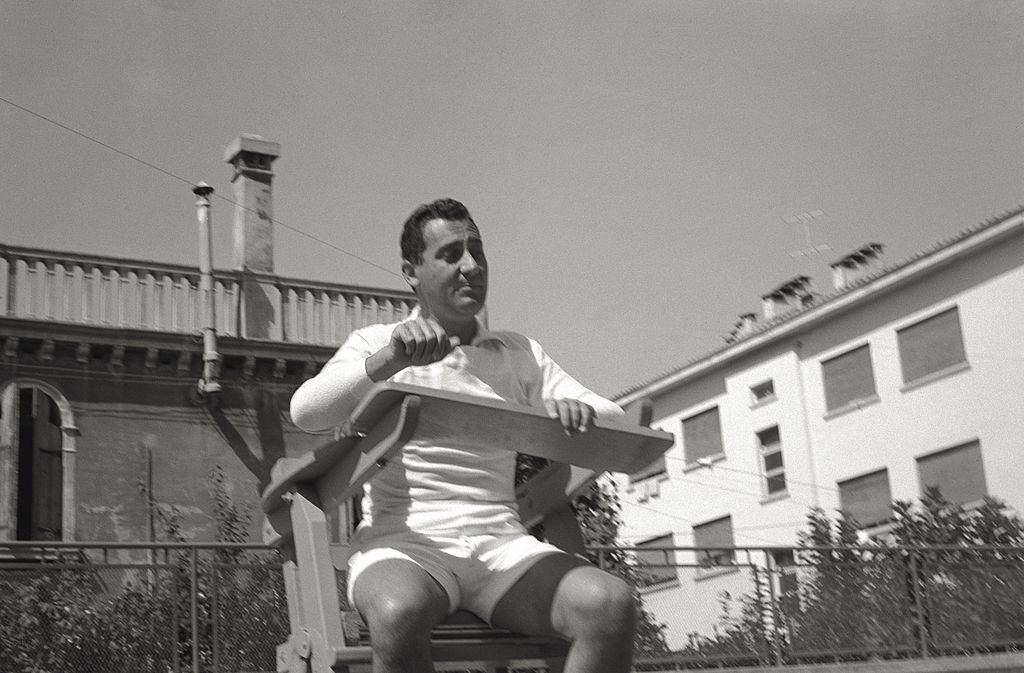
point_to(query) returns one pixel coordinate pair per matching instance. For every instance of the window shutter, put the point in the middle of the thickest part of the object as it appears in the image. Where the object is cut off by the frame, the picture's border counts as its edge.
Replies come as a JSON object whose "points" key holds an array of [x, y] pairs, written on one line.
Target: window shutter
{"points": [[702, 435], [717, 533], [931, 345], [958, 472], [650, 560], [848, 377], [867, 499]]}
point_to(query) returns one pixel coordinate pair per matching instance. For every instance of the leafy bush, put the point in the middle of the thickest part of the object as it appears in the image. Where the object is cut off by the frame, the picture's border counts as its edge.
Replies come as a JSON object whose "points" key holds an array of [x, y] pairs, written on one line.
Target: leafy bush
{"points": [[66, 612], [890, 597]]}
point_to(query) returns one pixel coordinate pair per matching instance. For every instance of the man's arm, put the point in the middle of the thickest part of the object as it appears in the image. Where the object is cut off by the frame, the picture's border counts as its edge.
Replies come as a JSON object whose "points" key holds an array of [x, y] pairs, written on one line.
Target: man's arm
{"points": [[329, 398], [567, 399]]}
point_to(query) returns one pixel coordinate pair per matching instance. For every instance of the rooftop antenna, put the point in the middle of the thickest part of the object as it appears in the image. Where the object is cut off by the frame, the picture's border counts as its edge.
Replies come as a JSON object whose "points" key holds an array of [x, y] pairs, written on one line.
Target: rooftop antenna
{"points": [[805, 219]]}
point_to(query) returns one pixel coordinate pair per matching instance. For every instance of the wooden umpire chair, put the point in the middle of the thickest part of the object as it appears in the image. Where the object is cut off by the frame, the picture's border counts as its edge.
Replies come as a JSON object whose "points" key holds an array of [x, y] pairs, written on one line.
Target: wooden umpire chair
{"points": [[303, 489]]}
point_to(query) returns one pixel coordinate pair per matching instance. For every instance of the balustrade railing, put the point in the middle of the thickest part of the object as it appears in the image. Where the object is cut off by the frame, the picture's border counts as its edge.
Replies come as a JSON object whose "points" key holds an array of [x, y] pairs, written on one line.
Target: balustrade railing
{"points": [[112, 292]]}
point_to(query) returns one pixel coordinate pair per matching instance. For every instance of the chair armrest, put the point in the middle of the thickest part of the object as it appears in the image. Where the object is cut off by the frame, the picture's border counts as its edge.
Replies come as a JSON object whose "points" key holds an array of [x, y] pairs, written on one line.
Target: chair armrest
{"points": [[338, 469]]}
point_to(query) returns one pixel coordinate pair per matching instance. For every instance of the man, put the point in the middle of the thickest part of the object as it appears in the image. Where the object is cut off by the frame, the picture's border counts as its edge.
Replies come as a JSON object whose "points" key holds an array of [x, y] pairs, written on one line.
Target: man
{"points": [[440, 529]]}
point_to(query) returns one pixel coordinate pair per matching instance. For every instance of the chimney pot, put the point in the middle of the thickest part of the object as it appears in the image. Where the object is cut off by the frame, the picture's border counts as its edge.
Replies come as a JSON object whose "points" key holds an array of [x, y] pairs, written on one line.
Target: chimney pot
{"points": [[856, 265], [743, 327], [252, 156], [794, 293]]}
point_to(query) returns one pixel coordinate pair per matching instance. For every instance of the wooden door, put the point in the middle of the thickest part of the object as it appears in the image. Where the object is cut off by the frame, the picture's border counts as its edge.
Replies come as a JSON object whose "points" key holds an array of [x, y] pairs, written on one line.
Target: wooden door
{"points": [[40, 467]]}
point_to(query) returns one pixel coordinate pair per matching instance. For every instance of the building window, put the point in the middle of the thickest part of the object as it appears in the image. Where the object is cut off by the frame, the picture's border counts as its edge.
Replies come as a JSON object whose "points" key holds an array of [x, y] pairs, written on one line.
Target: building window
{"points": [[770, 448], [932, 345], [707, 537], [763, 393], [786, 571], [702, 436], [867, 499], [657, 560], [848, 378], [958, 473]]}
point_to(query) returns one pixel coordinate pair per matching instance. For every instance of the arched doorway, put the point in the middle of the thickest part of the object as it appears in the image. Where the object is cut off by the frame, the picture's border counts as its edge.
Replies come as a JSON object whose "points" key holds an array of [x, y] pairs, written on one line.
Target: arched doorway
{"points": [[37, 445], [40, 468]]}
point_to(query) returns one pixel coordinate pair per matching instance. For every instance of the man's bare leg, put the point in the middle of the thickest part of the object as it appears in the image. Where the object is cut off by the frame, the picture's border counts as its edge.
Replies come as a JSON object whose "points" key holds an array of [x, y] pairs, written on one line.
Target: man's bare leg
{"points": [[400, 603], [565, 596]]}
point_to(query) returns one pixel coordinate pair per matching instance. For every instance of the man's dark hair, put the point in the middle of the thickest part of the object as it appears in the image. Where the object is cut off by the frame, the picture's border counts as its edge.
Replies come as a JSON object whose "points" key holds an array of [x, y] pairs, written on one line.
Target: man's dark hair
{"points": [[413, 244]]}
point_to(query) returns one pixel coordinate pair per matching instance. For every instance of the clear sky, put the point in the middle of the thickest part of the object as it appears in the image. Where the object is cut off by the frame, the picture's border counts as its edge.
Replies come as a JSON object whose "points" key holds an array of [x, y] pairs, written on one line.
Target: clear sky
{"points": [[630, 163]]}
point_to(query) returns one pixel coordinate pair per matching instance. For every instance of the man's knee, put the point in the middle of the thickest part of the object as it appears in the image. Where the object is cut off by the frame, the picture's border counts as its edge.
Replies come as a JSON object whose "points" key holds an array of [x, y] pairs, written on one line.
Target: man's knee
{"points": [[601, 606], [399, 616], [399, 606]]}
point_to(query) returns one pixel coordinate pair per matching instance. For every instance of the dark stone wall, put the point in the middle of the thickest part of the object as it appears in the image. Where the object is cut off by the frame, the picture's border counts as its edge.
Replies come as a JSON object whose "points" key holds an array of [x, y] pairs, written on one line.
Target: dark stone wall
{"points": [[128, 420]]}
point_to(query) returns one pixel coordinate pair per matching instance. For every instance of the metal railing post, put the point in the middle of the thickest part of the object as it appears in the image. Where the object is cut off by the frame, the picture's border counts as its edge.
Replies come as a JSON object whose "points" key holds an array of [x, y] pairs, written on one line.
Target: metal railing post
{"points": [[175, 616], [193, 573], [922, 629], [769, 564], [215, 613]]}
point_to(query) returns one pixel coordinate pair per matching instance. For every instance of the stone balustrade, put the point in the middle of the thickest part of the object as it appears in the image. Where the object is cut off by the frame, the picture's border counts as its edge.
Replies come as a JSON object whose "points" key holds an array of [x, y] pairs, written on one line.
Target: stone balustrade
{"points": [[121, 293]]}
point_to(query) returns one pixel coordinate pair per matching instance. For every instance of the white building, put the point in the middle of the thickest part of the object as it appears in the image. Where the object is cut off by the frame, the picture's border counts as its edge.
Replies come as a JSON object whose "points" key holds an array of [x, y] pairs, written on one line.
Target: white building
{"points": [[903, 376]]}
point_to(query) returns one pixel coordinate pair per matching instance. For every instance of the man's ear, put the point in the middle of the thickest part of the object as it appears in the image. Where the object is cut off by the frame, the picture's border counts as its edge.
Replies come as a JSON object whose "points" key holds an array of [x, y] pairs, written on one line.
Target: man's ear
{"points": [[409, 273]]}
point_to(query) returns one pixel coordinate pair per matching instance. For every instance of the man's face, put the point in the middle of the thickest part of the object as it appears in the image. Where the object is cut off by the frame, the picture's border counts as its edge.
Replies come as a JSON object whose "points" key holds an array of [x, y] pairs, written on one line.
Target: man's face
{"points": [[451, 279]]}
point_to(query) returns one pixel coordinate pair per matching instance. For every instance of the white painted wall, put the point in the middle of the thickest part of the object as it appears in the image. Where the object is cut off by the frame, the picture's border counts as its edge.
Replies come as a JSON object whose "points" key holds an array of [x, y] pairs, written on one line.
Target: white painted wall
{"points": [[983, 401]]}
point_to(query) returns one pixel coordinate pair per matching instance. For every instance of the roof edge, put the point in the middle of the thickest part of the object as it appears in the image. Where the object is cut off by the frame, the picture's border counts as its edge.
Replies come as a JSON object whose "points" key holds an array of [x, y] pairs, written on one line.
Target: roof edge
{"points": [[945, 250]]}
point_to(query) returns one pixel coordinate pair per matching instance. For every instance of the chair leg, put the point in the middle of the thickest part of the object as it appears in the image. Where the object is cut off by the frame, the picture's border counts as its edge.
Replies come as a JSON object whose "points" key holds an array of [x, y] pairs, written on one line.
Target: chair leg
{"points": [[317, 586]]}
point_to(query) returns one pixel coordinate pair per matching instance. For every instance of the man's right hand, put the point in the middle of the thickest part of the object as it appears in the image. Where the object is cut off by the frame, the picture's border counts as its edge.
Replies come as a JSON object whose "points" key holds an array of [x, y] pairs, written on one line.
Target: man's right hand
{"points": [[414, 342]]}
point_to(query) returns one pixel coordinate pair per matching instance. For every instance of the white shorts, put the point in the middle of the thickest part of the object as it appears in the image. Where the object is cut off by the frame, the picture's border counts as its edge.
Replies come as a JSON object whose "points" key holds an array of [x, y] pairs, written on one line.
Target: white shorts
{"points": [[474, 570]]}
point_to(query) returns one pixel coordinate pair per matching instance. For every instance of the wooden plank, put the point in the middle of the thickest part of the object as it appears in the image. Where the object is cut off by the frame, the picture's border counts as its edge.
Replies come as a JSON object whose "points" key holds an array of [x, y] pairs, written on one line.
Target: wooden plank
{"points": [[454, 419]]}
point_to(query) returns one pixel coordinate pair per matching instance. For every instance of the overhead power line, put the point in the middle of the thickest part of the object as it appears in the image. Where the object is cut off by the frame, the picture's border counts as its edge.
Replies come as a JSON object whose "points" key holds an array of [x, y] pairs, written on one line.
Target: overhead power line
{"points": [[186, 181]]}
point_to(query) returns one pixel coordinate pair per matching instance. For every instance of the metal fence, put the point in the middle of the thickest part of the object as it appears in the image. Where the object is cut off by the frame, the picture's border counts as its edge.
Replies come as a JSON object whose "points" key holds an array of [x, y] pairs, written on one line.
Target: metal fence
{"points": [[829, 604], [221, 608], [140, 608]]}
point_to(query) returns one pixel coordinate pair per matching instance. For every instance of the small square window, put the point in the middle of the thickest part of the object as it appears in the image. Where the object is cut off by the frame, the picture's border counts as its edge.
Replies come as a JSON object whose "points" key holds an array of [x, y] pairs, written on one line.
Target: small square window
{"points": [[763, 392]]}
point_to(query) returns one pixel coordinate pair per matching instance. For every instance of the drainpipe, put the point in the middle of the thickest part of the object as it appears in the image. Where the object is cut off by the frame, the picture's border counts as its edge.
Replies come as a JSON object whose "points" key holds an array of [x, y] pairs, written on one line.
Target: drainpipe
{"points": [[209, 385]]}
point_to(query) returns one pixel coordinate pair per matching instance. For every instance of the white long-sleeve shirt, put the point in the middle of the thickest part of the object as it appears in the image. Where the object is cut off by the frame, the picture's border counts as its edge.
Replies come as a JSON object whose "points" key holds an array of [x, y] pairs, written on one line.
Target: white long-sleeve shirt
{"points": [[443, 488]]}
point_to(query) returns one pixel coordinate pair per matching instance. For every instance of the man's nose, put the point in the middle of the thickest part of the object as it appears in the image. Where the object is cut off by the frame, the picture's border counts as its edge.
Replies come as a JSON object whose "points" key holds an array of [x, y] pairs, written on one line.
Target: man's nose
{"points": [[469, 264]]}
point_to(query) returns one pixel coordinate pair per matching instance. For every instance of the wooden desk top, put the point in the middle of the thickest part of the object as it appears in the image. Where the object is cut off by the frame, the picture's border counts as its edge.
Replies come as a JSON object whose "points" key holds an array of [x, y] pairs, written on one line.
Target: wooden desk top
{"points": [[455, 418]]}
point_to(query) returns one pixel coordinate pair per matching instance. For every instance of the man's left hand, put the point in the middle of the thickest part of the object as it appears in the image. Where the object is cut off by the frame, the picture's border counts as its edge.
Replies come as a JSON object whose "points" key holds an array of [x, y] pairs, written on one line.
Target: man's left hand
{"points": [[575, 416]]}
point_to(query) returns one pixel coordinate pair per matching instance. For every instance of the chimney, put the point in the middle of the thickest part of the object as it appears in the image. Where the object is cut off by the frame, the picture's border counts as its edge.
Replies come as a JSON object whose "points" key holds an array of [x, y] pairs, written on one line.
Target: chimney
{"points": [[858, 264], [252, 156], [743, 327], [794, 293]]}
